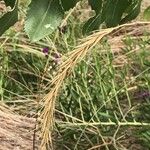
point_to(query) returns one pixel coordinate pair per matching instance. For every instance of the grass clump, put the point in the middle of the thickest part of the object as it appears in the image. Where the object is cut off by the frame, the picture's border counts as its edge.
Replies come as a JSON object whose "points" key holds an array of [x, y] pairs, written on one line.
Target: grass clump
{"points": [[104, 101]]}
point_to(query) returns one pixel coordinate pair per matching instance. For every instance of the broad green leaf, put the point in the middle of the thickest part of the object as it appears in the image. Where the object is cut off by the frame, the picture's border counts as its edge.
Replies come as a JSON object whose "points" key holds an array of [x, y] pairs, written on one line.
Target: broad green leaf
{"points": [[114, 11], [43, 18], [111, 13], [67, 4], [132, 11], [96, 5], [10, 3], [147, 14], [11, 17], [94, 22]]}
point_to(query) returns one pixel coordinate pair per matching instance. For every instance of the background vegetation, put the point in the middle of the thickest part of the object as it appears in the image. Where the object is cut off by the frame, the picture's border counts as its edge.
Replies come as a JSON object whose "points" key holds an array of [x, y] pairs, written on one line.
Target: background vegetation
{"points": [[105, 101]]}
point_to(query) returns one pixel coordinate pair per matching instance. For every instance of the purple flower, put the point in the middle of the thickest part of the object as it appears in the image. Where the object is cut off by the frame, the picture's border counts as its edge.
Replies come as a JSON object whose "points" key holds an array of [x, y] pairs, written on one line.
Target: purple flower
{"points": [[144, 94], [45, 51]]}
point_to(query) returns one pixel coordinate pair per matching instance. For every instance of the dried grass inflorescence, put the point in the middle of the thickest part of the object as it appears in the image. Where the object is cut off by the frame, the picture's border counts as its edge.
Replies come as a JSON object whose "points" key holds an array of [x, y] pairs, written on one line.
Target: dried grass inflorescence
{"points": [[47, 111]]}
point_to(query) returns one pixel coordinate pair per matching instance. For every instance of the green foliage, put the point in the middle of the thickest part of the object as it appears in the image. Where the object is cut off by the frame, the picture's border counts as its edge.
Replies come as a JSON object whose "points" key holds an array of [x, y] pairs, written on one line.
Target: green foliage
{"points": [[98, 92], [147, 13], [102, 90], [42, 21], [144, 137], [66, 5], [11, 17], [44, 17], [132, 11], [9, 3], [94, 22], [111, 13]]}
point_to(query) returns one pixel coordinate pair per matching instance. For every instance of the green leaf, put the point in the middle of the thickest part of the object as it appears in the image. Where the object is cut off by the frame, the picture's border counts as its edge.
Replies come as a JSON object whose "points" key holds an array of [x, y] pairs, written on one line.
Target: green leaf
{"points": [[67, 4], [147, 14], [96, 5], [109, 12], [114, 11], [10, 3], [11, 17], [94, 22], [43, 18], [132, 11]]}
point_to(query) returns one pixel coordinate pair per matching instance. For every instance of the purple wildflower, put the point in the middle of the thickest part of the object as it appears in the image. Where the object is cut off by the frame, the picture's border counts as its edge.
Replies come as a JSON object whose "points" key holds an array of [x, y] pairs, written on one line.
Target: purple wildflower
{"points": [[45, 51], [144, 94]]}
